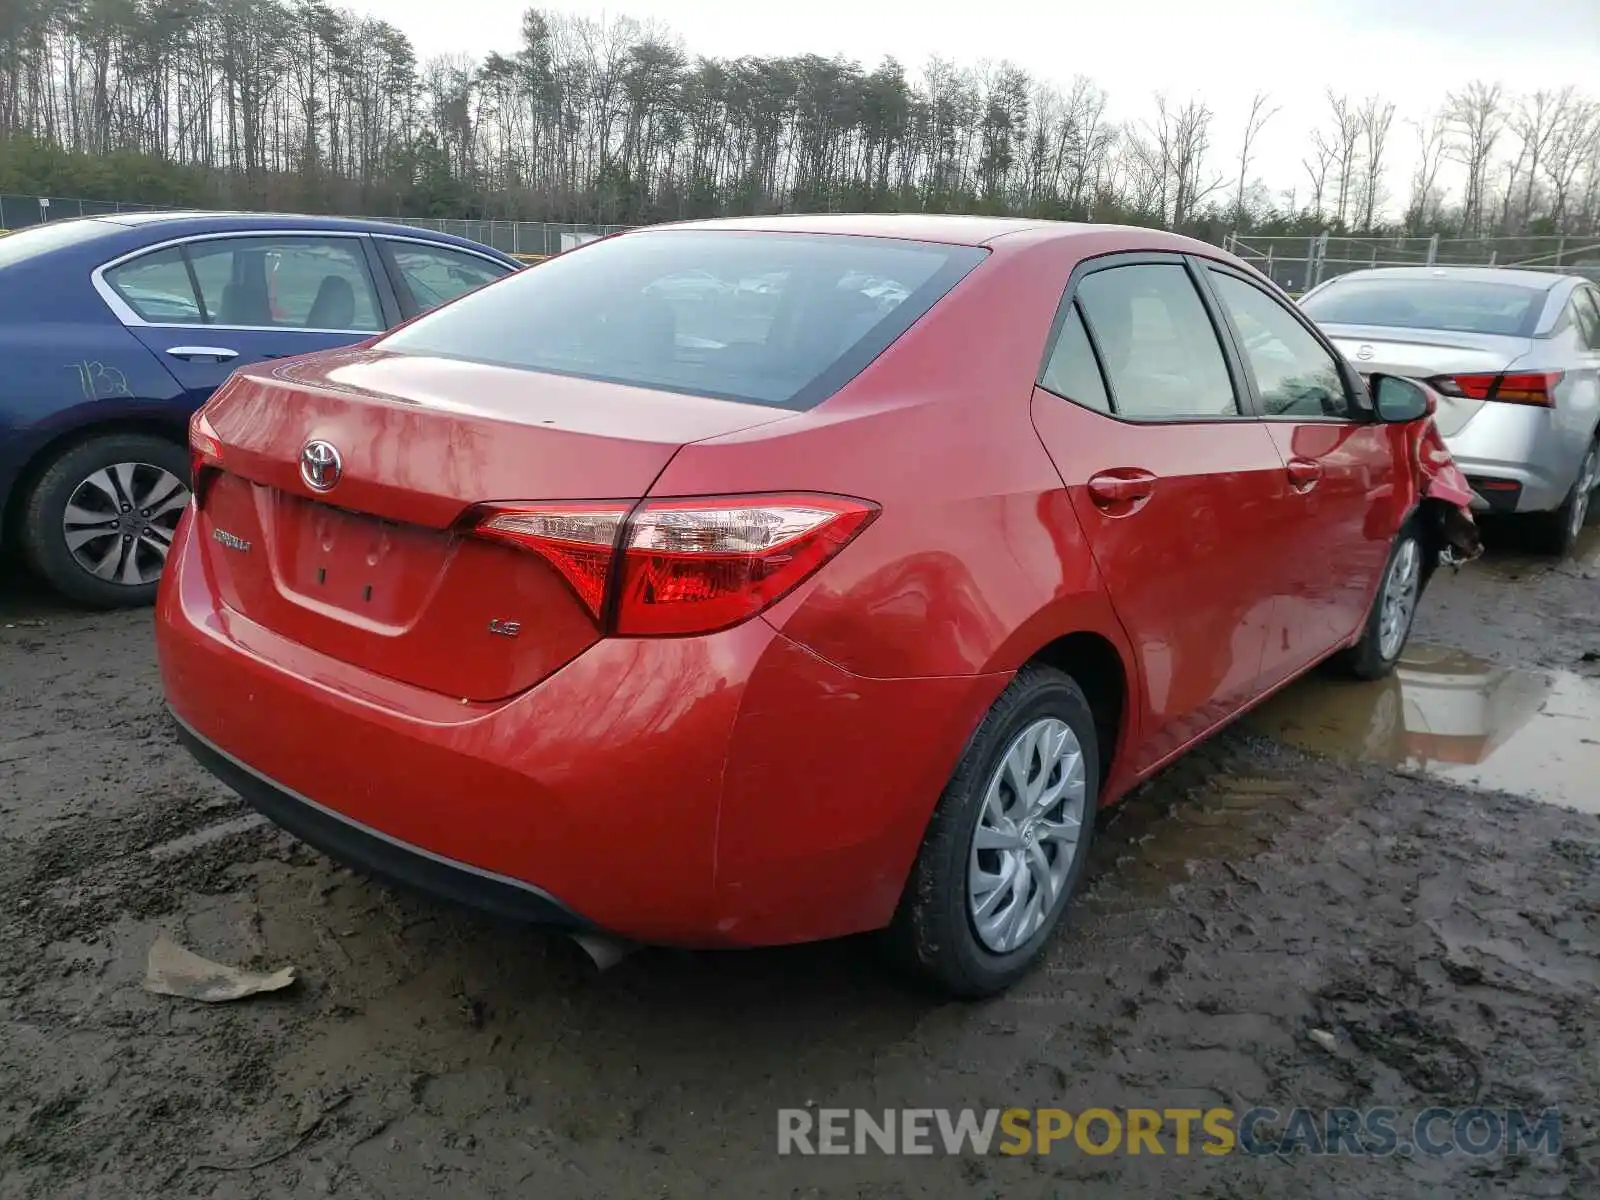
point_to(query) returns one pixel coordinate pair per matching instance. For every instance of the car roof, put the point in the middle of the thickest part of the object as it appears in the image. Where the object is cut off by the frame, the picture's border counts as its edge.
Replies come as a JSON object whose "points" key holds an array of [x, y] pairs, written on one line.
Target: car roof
{"points": [[1519, 276], [949, 229], [185, 223]]}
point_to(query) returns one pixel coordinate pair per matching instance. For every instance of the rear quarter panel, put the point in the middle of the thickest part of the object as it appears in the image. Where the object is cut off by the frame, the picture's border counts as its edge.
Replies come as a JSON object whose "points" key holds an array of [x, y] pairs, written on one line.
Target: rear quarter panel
{"points": [[60, 377]]}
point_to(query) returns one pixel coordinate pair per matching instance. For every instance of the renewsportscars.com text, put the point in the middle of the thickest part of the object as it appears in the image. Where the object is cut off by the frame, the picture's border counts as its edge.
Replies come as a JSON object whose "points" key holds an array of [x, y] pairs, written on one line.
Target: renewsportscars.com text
{"points": [[1262, 1131]]}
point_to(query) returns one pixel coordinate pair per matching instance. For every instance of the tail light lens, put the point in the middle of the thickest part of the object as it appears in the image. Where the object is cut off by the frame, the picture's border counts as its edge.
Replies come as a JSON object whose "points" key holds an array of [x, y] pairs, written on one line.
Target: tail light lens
{"points": [[205, 454], [1513, 387], [675, 567], [579, 541]]}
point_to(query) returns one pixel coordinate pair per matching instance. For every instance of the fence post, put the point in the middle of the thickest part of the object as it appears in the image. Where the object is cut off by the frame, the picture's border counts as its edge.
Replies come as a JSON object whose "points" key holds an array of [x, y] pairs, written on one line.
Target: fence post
{"points": [[1268, 272], [1319, 251], [1561, 246], [1433, 249]]}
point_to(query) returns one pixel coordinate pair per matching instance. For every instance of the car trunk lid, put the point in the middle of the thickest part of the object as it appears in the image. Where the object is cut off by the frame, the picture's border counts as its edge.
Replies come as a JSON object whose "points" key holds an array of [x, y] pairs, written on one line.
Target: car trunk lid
{"points": [[378, 570], [1428, 354]]}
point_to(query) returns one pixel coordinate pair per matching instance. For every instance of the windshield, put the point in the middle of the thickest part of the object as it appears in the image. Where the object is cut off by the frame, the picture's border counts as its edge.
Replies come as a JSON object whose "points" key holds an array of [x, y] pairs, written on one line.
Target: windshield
{"points": [[42, 239], [777, 319], [1451, 305]]}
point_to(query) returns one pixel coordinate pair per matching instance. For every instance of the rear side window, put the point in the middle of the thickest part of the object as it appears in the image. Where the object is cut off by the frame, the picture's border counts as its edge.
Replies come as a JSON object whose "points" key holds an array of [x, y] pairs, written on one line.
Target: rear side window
{"points": [[1159, 347], [1587, 313], [1072, 372], [158, 287], [1449, 305], [777, 319]]}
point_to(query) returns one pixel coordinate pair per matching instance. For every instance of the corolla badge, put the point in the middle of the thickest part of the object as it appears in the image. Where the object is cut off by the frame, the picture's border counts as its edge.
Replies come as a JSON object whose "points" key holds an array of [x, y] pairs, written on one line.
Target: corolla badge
{"points": [[1364, 353], [320, 466]]}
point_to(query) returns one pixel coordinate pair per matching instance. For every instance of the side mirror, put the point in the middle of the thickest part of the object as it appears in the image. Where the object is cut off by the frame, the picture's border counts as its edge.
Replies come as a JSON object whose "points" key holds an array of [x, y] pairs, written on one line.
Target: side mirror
{"points": [[1398, 400]]}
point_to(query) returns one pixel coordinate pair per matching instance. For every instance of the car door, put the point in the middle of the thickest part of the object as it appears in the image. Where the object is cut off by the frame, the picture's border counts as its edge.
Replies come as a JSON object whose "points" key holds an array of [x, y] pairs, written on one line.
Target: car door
{"points": [[426, 274], [209, 305], [1347, 494], [1176, 486]]}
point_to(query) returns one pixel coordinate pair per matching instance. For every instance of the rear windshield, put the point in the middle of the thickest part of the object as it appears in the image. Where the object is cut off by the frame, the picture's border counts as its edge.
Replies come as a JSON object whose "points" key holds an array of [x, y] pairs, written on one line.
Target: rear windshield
{"points": [[41, 239], [776, 319], [1455, 305]]}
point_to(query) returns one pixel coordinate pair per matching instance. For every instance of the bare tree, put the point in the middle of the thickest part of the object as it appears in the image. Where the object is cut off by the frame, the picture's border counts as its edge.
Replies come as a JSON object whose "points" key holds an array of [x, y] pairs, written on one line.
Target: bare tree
{"points": [[1344, 141], [1432, 136], [1183, 139], [1375, 118], [1317, 168], [1535, 122], [1260, 114], [1567, 152], [1476, 121]]}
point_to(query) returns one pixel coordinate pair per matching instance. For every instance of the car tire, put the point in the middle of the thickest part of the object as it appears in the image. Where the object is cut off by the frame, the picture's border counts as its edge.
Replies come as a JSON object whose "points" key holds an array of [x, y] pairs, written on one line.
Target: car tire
{"points": [[1556, 533], [1376, 654], [936, 930], [106, 476]]}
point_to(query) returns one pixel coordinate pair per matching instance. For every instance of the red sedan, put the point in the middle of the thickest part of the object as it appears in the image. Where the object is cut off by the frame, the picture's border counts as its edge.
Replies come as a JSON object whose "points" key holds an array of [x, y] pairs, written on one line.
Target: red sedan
{"points": [[758, 581]]}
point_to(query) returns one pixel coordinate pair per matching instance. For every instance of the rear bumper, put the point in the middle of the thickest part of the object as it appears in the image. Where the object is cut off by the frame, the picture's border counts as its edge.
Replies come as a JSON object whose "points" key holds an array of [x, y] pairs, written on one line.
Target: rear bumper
{"points": [[729, 790], [1523, 446], [376, 853]]}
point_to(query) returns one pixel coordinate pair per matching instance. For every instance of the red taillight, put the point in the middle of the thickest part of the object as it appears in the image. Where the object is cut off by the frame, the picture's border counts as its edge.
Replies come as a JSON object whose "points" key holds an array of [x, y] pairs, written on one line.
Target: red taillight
{"points": [[205, 453], [578, 540], [675, 567], [1512, 387]]}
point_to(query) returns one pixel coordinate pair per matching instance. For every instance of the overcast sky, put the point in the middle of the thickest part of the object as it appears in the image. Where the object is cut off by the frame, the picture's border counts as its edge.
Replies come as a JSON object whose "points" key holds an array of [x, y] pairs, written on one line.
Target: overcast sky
{"points": [[1410, 51]]}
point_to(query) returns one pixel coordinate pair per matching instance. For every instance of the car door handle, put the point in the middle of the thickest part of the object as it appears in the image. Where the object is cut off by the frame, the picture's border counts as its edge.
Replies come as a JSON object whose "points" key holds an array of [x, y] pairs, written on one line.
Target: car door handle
{"points": [[1304, 473], [1107, 489], [189, 353]]}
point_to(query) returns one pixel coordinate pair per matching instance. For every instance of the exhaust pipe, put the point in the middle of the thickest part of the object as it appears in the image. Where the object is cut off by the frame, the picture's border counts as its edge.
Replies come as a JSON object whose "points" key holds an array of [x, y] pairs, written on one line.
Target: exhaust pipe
{"points": [[604, 951]]}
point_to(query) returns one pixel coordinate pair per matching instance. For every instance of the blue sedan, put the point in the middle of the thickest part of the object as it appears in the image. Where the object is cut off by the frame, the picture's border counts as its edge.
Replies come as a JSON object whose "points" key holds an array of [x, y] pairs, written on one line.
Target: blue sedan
{"points": [[113, 330]]}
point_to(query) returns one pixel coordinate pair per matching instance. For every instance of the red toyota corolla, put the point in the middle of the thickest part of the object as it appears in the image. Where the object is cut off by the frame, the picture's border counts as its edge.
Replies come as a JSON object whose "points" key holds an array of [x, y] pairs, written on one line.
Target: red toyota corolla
{"points": [[759, 581]]}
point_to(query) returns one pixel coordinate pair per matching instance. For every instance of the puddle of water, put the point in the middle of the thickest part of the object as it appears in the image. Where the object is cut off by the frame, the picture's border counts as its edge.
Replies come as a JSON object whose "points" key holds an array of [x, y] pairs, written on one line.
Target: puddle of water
{"points": [[1458, 718]]}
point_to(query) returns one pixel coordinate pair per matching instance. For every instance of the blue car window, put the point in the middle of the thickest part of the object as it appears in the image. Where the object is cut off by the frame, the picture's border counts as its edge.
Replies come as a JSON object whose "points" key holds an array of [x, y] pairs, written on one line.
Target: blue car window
{"points": [[294, 281]]}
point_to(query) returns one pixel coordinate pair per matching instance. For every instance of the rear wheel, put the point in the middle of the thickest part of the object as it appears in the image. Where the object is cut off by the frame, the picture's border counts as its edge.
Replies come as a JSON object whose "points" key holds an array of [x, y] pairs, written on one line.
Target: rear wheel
{"points": [[1557, 532], [98, 524], [1394, 608], [1007, 844]]}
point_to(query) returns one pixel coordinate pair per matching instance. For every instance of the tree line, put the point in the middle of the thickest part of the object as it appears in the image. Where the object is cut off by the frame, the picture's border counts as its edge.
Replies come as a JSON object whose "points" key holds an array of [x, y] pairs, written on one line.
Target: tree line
{"points": [[296, 104]]}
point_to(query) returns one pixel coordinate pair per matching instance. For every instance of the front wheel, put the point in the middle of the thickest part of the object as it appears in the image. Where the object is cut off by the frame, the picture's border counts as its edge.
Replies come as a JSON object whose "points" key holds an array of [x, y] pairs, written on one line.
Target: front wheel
{"points": [[1007, 843], [1394, 609], [99, 522]]}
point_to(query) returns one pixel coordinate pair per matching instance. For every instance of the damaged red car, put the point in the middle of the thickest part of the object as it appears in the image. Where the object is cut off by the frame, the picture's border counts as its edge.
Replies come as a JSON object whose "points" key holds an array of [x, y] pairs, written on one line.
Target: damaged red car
{"points": [[759, 581]]}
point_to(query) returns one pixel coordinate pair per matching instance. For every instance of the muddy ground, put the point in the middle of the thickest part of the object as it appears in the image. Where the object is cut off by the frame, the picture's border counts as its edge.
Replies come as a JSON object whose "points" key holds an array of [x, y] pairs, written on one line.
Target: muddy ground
{"points": [[1448, 939]]}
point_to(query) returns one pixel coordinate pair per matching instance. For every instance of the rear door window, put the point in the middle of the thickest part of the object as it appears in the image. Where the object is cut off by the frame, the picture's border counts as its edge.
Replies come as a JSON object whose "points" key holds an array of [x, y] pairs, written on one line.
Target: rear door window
{"points": [[292, 281], [1157, 342], [766, 318]]}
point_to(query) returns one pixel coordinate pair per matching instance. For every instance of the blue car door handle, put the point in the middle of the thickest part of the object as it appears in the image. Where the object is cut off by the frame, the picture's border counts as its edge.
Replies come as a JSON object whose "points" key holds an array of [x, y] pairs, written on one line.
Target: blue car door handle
{"points": [[189, 353]]}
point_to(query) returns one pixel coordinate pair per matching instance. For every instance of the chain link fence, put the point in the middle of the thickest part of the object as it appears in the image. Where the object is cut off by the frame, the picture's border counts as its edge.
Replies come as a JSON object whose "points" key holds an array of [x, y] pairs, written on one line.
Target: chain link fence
{"points": [[1297, 264]]}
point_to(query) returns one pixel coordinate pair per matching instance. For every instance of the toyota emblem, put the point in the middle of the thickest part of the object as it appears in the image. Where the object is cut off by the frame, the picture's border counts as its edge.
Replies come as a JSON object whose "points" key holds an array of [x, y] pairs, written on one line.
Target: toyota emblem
{"points": [[320, 466], [1364, 353]]}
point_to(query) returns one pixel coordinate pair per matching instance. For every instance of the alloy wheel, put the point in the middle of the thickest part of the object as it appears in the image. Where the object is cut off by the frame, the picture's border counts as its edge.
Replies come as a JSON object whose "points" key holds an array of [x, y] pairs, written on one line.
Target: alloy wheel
{"points": [[119, 522]]}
